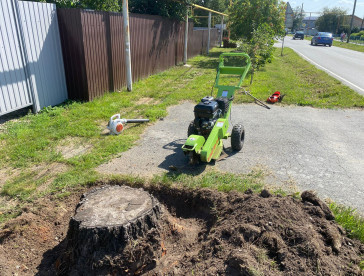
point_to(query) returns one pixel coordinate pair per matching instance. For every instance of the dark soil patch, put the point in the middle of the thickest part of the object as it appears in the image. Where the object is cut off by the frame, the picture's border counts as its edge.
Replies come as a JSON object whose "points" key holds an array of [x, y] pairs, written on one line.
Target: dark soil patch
{"points": [[201, 232]]}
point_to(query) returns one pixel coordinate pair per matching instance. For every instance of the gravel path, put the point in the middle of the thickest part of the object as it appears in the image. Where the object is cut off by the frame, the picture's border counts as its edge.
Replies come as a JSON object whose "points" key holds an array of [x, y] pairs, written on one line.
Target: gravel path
{"points": [[309, 148]]}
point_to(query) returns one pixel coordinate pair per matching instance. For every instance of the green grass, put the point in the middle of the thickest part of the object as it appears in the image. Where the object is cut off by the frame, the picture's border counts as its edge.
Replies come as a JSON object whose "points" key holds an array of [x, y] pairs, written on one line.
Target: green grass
{"points": [[350, 220], [350, 46], [33, 141], [220, 181]]}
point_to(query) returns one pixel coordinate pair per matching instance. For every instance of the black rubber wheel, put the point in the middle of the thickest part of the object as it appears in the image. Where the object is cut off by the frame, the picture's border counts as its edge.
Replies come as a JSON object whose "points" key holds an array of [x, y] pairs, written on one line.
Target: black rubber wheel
{"points": [[329, 45], [311, 43], [191, 129], [237, 137]]}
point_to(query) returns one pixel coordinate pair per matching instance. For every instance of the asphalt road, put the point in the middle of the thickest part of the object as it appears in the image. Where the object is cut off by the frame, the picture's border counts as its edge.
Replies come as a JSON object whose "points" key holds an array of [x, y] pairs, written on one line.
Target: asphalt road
{"points": [[343, 64], [308, 148]]}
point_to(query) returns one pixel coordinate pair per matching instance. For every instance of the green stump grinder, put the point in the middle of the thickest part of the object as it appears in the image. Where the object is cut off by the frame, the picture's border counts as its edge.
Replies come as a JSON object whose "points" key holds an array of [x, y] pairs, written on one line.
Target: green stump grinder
{"points": [[211, 123]]}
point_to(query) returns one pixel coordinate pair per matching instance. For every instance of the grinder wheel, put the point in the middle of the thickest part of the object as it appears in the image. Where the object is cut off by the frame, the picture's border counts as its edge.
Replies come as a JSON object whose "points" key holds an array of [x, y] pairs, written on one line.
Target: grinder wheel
{"points": [[237, 137]]}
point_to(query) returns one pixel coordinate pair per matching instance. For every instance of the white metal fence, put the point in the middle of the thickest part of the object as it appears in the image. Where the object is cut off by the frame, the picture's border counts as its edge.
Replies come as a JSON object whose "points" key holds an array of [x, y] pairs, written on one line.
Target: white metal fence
{"points": [[31, 63]]}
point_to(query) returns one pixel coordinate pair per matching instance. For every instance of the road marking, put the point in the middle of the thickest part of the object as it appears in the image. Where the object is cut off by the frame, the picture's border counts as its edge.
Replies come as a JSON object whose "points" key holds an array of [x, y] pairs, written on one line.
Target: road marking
{"points": [[327, 70]]}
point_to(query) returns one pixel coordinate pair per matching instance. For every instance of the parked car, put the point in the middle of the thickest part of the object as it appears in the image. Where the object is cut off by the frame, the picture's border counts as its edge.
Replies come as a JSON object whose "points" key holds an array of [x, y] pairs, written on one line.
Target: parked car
{"points": [[299, 34], [322, 38]]}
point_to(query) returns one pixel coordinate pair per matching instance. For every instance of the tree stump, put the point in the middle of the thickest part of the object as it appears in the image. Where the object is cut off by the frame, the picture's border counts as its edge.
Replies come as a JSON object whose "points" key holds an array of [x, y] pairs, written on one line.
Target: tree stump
{"points": [[114, 231]]}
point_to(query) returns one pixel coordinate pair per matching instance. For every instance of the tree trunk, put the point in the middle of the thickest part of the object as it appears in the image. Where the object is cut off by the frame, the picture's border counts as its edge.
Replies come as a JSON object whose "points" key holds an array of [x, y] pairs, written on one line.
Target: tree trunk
{"points": [[113, 231]]}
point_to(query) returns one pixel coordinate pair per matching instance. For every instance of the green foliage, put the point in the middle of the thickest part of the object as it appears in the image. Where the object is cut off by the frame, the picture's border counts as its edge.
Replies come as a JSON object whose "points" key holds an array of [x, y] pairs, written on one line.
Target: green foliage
{"points": [[216, 5], [101, 5], [361, 34], [349, 219], [248, 15], [166, 8], [256, 23], [259, 47], [330, 20], [297, 18]]}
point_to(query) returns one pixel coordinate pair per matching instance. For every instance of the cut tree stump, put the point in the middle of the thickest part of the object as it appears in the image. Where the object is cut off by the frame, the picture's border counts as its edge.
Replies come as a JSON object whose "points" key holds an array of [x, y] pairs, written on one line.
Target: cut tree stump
{"points": [[114, 230]]}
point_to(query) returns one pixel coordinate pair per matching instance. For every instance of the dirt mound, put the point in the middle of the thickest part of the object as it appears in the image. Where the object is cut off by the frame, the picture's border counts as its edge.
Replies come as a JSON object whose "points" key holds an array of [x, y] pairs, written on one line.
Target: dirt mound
{"points": [[208, 232]]}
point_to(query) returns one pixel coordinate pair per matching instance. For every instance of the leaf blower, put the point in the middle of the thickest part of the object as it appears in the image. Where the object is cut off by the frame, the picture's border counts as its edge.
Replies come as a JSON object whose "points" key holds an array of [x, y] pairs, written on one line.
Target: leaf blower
{"points": [[116, 125]]}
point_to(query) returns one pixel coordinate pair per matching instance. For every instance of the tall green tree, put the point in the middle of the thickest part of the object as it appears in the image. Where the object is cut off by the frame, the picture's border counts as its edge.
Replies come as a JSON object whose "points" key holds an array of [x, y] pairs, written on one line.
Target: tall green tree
{"points": [[216, 5], [167, 8], [100, 5], [247, 15], [331, 20], [256, 23], [297, 18]]}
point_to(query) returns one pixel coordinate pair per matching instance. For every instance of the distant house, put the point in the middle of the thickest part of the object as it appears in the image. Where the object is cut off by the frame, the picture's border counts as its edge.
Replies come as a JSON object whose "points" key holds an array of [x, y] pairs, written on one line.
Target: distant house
{"points": [[289, 17], [357, 22], [309, 25]]}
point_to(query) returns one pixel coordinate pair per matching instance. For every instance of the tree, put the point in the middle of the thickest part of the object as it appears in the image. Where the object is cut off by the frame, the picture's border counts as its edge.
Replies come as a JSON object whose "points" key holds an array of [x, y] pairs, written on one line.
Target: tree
{"points": [[166, 8], [216, 5], [256, 23], [101, 5], [330, 20], [297, 18], [247, 15], [259, 47]]}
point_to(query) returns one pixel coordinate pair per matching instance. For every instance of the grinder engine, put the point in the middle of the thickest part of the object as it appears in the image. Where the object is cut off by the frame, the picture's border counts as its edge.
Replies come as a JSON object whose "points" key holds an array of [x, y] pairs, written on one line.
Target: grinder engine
{"points": [[207, 112]]}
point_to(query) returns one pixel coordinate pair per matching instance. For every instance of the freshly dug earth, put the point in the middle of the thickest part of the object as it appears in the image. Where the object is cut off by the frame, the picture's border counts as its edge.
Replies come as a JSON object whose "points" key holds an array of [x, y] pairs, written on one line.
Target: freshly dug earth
{"points": [[201, 232]]}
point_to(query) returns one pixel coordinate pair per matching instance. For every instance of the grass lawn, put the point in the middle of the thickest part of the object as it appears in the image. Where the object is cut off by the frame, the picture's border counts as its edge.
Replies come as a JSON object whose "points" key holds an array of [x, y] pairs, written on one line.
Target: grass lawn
{"points": [[31, 160]]}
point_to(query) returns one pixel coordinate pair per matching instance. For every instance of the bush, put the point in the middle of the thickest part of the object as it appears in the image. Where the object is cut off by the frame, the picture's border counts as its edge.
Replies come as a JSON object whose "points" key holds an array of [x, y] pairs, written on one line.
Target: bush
{"points": [[259, 47]]}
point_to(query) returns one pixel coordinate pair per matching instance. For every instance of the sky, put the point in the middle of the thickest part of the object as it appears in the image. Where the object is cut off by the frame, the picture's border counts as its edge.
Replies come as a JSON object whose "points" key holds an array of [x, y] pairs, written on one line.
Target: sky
{"points": [[318, 5]]}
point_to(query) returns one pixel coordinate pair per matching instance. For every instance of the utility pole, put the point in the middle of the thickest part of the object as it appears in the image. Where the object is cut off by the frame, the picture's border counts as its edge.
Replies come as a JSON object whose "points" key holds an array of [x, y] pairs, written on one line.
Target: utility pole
{"points": [[209, 34], [129, 81], [221, 30], [351, 22], [301, 16]]}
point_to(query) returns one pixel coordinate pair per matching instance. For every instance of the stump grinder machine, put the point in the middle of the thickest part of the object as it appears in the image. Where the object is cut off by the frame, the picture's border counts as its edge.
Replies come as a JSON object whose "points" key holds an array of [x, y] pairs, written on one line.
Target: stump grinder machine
{"points": [[211, 123]]}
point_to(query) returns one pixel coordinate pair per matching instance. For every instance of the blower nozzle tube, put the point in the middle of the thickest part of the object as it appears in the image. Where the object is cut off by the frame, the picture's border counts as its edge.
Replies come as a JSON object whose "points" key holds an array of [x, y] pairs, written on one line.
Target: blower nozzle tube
{"points": [[137, 120]]}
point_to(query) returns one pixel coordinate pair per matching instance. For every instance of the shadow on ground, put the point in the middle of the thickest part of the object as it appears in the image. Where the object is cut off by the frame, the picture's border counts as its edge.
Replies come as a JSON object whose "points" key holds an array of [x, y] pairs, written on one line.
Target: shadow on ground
{"points": [[177, 163]]}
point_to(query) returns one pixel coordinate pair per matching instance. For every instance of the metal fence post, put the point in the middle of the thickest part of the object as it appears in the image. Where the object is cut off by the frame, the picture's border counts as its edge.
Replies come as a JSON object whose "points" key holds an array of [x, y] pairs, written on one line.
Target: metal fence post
{"points": [[127, 45], [209, 34], [186, 39], [221, 30]]}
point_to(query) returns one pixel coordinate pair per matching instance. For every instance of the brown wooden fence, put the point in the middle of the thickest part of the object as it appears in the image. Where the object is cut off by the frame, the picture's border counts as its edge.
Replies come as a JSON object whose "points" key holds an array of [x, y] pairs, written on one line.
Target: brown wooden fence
{"points": [[93, 49]]}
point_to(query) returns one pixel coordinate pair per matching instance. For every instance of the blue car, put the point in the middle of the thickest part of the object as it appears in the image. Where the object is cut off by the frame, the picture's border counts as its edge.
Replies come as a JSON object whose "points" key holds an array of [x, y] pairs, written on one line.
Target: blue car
{"points": [[322, 38]]}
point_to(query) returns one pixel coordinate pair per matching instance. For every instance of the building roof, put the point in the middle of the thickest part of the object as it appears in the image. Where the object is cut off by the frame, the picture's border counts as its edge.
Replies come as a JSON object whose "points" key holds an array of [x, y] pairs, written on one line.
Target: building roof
{"points": [[288, 9]]}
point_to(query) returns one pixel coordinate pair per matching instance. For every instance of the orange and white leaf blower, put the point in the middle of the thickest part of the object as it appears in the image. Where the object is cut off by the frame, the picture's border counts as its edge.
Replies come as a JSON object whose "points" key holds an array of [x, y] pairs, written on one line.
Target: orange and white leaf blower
{"points": [[116, 125]]}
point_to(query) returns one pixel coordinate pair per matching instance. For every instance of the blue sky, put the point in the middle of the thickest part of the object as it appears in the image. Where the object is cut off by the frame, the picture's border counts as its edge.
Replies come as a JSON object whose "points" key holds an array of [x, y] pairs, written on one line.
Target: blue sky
{"points": [[318, 5]]}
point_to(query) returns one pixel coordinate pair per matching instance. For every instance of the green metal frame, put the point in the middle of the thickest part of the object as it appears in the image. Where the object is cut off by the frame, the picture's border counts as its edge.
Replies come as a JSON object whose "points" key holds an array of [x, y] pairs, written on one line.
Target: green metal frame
{"points": [[212, 147]]}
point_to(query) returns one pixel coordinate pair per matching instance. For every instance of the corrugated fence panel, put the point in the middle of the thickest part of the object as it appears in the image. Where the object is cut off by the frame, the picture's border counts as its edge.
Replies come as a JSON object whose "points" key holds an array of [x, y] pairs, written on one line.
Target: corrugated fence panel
{"points": [[93, 48], [70, 29], [154, 44], [40, 26], [118, 51], [96, 52], [14, 92]]}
